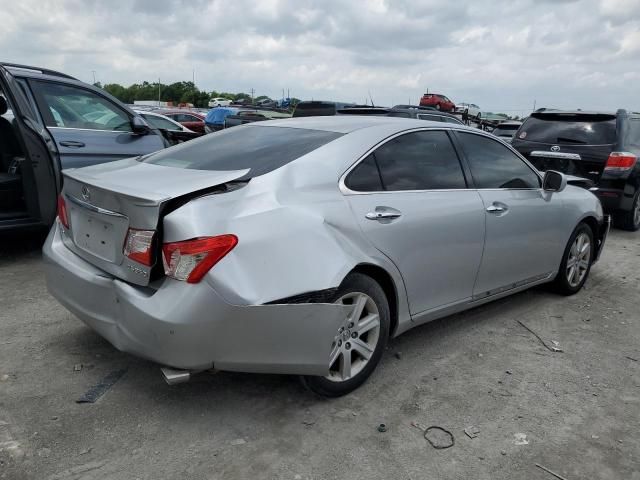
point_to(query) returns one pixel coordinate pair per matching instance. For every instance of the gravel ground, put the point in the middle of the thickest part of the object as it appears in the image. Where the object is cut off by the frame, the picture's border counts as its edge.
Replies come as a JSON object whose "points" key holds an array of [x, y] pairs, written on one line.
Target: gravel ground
{"points": [[575, 412]]}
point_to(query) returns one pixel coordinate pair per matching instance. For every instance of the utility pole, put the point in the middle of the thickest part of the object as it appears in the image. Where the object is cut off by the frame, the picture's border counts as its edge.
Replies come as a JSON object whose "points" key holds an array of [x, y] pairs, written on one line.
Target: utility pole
{"points": [[252, 92], [158, 91], [94, 76], [534, 105]]}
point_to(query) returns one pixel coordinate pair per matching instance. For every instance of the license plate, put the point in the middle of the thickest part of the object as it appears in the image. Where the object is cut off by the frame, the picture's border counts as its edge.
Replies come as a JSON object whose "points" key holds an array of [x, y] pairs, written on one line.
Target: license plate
{"points": [[95, 236]]}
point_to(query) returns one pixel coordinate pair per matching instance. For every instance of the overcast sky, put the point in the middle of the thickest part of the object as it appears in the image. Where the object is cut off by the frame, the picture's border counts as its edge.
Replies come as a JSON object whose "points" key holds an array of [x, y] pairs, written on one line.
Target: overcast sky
{"points": [[500, 54]]}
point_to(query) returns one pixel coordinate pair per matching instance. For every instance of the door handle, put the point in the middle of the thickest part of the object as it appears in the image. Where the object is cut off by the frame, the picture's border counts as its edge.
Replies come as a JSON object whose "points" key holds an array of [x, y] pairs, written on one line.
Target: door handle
{"points": [[497, 208], [494, 208], [382, 215], [72, 144]]}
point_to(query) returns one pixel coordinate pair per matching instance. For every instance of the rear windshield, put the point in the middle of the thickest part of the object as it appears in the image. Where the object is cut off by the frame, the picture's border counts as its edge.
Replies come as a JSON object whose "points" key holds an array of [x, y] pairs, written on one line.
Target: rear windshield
{"points": [[570, 129], [314, 109], [261, 149], [399, 114], [505, 130]]}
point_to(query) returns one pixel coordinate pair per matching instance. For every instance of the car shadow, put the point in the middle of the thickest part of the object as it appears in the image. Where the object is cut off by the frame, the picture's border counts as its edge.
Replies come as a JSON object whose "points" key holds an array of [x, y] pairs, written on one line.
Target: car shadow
{"points": [[144, 379], [15, 246]]}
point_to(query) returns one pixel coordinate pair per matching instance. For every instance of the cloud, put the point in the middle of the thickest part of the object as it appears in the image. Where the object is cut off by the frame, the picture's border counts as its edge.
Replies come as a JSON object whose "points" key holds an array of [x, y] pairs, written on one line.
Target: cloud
{"points": [[502, 55]]}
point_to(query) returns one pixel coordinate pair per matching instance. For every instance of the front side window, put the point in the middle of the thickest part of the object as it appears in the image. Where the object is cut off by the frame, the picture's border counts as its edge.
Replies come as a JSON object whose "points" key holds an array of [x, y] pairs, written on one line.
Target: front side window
{"points": [[414, 161], [72, 107], [493, 165]]}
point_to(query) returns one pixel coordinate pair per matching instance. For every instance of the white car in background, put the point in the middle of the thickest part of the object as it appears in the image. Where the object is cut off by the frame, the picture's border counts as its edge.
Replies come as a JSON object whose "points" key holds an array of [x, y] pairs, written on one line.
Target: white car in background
{"points": [[472, 109], [219, 102]]}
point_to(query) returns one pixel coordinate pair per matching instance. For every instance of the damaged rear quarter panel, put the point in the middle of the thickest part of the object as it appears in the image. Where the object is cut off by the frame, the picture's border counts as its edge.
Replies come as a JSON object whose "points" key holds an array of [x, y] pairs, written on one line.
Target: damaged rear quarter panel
{"points": [[296, 232]]}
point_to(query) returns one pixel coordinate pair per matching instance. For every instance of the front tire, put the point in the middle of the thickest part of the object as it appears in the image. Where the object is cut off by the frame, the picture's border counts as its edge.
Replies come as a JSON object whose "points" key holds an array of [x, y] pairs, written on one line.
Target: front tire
{"points": [[576, 261], [630, 220], [360, 342]]}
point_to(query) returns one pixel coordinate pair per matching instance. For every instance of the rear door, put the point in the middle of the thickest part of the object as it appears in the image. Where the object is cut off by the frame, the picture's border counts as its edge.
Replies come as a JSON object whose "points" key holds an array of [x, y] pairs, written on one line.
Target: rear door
{"points": [[89, 128], [411, 200], [525, 234]]}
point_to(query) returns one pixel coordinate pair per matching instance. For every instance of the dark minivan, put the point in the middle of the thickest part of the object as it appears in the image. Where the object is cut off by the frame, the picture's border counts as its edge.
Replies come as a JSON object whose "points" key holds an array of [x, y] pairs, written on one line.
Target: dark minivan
{"points": [[50, 121], [602, 147]]}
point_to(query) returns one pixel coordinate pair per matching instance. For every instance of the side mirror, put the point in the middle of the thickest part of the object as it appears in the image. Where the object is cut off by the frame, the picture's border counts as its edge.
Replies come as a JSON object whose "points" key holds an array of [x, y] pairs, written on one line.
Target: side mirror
{"points": [[554, 181], [139, 126]]}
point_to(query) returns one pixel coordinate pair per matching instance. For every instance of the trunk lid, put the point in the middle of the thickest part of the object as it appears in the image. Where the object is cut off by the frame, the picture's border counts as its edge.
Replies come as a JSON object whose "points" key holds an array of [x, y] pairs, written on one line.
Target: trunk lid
{"points": [[104, 201]]}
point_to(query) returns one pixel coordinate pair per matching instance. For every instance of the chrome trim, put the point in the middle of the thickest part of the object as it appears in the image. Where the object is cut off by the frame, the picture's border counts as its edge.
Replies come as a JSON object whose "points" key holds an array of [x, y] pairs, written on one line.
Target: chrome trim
{"points": [[93, 208], [347, 191], [91, 130], [512, 286], [561, 155]]}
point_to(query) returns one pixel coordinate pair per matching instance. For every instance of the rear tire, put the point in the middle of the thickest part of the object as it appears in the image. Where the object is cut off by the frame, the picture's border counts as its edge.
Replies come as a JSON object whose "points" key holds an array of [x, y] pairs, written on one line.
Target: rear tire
{"points": [[357, 339], [576, 261], [630, 220]]}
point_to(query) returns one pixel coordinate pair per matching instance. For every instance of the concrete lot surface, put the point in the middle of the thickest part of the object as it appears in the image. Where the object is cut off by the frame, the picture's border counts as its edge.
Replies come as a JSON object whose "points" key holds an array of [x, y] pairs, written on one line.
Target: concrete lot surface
{"points": [[575, 412]]}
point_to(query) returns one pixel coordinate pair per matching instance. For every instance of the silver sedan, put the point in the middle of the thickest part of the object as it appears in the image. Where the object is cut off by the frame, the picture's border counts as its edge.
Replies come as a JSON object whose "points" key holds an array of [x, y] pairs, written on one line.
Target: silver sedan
{"points": [[301, 246]]}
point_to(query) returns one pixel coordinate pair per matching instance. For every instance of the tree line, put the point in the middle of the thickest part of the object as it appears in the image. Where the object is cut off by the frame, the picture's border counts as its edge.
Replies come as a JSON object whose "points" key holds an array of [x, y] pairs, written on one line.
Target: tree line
{"points": [[178, 92]]}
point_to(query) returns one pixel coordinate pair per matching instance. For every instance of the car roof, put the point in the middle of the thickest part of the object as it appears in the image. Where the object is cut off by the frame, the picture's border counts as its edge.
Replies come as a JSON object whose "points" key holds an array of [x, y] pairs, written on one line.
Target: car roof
{"points": [[551, 111], [350, 123]]}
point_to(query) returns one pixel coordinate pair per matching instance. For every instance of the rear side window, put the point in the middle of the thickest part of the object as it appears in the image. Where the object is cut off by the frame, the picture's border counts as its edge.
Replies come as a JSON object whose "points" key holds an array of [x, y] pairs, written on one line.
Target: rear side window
{"points": [[261, 149], [414, 161], [570, 129], [365, 177], [634, 131], [493, 165]]}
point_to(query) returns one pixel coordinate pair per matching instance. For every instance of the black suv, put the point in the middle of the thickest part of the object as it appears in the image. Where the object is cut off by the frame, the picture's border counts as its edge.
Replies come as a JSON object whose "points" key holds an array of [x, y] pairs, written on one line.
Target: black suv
{"points": [[602, 147]]}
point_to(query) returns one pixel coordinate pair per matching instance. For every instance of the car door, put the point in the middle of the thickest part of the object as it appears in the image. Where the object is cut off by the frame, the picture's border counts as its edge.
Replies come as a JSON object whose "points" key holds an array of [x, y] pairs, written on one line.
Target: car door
{"points": [[411, 200], [522, 242], [89, 128]]}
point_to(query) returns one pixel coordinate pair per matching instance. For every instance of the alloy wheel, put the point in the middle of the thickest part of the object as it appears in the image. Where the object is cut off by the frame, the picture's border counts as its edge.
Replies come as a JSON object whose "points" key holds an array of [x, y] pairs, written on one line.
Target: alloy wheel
{"points": [[356, 340], [579, 259]]}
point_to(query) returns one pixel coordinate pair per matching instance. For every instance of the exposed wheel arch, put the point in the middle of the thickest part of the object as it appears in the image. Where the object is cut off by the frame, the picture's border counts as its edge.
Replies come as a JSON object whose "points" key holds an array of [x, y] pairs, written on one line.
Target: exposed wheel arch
{"points": [[592, 223], [385, 280]]}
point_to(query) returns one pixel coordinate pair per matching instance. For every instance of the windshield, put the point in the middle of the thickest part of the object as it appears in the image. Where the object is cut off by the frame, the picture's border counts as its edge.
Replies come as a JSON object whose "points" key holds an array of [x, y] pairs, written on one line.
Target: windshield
{"points": [[570, 129], [260, 149]]}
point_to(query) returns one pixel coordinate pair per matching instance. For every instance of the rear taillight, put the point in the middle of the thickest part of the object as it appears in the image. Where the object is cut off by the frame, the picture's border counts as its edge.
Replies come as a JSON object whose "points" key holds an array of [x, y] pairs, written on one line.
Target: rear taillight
{"points": [[620, 162], [190, 260], [62, 212], [138, 246]]}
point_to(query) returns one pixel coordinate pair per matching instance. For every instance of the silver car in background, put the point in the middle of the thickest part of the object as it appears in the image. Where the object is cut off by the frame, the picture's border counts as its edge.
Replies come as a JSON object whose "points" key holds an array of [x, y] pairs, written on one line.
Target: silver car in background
{"points": [[301, 246]]}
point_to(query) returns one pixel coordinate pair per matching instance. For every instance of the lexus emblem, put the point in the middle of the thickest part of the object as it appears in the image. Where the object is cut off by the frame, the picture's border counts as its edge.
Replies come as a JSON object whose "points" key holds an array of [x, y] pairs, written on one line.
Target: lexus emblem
{"points": [[555, 148], [86, 193]]}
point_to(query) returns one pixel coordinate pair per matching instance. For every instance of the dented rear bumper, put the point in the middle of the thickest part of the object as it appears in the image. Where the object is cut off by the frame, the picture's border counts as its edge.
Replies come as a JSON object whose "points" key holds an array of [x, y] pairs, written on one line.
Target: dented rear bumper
{"points": [[189, 326]]}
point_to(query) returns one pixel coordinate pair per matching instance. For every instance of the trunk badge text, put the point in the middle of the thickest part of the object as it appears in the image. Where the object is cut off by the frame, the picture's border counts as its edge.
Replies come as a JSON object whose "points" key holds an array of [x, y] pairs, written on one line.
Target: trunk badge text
{"points": [[555, 148], [86, 193], [137, 270]]}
